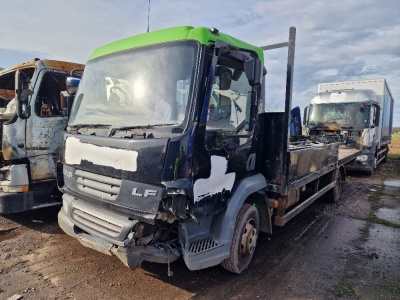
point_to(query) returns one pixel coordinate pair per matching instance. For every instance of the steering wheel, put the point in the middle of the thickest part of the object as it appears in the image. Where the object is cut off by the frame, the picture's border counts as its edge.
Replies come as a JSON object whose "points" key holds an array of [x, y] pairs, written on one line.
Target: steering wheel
{"points": [[113, 90]]}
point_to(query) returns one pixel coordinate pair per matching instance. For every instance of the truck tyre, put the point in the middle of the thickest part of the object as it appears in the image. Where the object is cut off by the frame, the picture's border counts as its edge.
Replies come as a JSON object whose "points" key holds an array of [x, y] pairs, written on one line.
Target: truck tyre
{"points": [[371, 171], [333, 194], [244, 240]]}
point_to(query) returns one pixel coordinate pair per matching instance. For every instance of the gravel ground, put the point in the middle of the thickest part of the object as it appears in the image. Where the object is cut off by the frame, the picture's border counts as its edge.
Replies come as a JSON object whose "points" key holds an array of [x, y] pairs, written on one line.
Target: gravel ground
{"points": [[348, 250]]}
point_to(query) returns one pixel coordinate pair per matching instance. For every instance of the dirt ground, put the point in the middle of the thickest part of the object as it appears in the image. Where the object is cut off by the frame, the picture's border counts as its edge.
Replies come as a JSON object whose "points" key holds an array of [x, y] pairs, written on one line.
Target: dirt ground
{"points": [[348, 250]]}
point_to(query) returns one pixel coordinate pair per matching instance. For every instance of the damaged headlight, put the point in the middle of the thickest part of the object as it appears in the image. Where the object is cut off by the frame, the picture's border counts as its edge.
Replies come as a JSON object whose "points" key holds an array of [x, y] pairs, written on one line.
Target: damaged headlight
{"points": [[362, 158]]}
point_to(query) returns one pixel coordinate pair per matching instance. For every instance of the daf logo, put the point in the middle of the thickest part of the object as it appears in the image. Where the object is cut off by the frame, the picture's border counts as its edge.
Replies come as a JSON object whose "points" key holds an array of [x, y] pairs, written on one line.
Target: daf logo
{"points": [[146, 193], [67, 174]]}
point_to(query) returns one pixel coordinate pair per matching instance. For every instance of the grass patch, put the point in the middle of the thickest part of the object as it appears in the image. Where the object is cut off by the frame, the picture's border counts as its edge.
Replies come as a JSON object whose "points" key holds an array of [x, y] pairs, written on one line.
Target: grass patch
{"points": [[364, 230], [375, 196], [344, 289], [393, 156], [394, 147], [374, 219]]}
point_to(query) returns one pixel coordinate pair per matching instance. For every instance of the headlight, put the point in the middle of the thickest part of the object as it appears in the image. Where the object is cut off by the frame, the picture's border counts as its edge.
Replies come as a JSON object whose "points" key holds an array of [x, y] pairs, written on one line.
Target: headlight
{"points": [[362, 158], [14, 188]]}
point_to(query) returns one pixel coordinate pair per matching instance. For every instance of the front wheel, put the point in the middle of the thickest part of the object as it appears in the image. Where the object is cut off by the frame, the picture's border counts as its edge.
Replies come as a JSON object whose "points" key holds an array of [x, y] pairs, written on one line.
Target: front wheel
{"points": [[244, 240], [371, 171]]}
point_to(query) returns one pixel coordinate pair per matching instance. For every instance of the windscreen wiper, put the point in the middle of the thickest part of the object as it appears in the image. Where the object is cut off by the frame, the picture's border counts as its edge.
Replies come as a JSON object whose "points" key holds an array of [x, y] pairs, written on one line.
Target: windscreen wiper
{"points": [[115, 129], [77, 126]]}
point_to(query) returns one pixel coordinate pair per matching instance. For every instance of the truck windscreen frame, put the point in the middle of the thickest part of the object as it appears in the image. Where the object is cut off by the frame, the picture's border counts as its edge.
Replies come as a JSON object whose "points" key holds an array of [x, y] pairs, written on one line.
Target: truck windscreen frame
{"points": [[148, 86], [342, 114]]}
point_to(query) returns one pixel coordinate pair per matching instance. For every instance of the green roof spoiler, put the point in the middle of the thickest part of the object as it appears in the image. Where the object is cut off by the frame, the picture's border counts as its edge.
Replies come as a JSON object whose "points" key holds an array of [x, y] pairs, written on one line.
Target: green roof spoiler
{"points": [[203, 35]]}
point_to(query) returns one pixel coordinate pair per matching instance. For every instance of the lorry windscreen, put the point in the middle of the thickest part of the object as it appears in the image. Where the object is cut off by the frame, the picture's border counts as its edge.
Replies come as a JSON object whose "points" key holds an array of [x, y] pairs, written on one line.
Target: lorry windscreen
{"points": [[148, 86], [342, 114]]}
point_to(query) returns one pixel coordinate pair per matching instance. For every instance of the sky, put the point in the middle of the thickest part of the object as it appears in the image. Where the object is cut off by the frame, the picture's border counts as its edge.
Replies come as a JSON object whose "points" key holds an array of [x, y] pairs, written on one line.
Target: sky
{"points": [[337, 40]]}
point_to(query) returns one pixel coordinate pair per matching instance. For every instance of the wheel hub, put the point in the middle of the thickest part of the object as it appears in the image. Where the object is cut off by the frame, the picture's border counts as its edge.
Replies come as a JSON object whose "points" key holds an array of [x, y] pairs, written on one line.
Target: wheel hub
{"points": [[249, 239]]}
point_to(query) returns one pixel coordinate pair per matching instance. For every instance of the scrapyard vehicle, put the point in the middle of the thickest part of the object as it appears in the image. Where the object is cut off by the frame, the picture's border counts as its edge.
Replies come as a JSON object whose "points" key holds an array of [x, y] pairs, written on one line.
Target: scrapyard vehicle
{"points": [[168, 152], [32, 118], [359, 108]]}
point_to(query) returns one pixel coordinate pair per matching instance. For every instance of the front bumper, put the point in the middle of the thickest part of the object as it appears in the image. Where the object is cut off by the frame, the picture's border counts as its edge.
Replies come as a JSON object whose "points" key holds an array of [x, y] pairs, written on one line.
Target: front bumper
{"points": [[364, 166], [131, 255], [16, 202]]}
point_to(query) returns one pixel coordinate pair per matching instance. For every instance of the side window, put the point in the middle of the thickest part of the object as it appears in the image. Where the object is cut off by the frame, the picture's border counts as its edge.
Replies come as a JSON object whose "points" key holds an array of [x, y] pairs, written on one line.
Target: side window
{"points": [[182, 95], [50, 98], [7, 90], [227, 109]]}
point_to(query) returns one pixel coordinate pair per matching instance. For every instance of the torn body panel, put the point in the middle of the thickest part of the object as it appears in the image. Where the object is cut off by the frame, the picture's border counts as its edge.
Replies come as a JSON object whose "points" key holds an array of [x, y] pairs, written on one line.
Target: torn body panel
{"points": [[13, 140], [33, 140]]}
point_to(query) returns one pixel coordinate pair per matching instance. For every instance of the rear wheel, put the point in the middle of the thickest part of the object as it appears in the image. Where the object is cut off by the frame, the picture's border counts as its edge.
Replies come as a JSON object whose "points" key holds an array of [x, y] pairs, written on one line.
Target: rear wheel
{"points": [[244, 240], [333, 194]]}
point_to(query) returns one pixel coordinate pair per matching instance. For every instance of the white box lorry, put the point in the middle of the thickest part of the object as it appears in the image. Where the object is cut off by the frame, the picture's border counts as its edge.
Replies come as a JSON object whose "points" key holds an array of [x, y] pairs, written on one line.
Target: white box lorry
{"points": [[362, 108]]}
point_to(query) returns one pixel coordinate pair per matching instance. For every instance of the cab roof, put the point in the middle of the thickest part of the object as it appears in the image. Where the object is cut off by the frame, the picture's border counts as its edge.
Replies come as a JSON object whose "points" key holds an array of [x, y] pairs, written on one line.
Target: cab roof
{"points": [[201, 34], [47, 63]]}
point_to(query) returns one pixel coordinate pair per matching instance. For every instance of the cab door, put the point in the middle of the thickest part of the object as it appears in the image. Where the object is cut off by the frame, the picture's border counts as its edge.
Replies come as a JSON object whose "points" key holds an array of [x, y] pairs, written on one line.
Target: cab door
{"points": [[225, 153], [46, 124]]}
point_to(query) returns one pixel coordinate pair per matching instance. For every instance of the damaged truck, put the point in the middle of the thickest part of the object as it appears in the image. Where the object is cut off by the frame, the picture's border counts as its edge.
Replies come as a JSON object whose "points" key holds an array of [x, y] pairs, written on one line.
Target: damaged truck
{"points": [[168, 151], [32, 116], [363, 109]]}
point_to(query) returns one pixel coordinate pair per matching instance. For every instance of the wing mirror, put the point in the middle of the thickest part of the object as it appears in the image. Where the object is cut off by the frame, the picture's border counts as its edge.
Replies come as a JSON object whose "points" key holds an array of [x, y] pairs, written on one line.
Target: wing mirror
{"points": [[72, 84], [254, 70], [23, 93], [305, 116]]}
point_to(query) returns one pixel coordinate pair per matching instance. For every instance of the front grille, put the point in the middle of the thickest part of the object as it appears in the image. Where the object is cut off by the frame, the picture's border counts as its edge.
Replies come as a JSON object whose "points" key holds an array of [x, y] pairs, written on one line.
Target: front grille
{"points": [[103, 225], [96, 185], [101, 222], [203, 245]]}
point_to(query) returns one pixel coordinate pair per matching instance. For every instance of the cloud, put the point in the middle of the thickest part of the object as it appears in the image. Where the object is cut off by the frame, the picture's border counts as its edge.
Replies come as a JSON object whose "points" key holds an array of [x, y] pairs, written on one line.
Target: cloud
{"points": [[336, 40]]}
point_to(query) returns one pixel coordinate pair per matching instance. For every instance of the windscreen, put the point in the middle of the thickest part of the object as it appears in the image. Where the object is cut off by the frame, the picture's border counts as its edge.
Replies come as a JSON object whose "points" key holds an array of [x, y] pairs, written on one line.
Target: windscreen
{"points": [[342, 114], [141, 87]]}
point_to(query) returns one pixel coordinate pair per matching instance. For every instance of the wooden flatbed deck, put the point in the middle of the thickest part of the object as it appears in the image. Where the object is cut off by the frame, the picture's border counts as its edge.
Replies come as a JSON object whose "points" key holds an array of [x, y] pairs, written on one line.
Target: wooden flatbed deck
{"points": [[347, 154]]}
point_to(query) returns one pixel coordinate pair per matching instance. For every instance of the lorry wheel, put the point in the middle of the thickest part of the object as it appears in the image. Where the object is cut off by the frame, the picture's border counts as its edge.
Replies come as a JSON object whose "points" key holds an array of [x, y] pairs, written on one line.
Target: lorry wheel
{"points": [[373, 167], [333, 194], [244, 240]]}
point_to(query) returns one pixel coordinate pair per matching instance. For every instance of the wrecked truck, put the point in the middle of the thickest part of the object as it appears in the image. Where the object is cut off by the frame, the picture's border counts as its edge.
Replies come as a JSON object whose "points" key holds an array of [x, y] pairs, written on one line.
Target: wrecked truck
{"points": [[359, 108], [32, 117], [169, 152]]}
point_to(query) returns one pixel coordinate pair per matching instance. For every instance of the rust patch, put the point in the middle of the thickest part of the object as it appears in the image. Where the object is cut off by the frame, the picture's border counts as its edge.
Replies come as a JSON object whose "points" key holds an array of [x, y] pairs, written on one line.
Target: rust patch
{"points": [[51, 64], [62, 65]]}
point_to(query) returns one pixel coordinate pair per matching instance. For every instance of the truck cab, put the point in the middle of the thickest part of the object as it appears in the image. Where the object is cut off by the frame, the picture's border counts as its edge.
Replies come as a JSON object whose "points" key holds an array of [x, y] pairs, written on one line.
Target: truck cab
{"points": [[362, 109], [32, 117]]}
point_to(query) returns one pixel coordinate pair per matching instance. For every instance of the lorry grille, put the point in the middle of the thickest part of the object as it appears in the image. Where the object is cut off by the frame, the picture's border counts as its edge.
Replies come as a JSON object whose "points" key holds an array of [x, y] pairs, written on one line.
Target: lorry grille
{"points": [[91, 220], [100, 222], [96, 185], [203, 245]]}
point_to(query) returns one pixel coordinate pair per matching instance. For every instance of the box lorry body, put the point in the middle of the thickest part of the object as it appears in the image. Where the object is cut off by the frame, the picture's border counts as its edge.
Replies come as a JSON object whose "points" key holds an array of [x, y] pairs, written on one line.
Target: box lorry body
{"points": [[362, 108], [168, 151], [31, 122]]}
